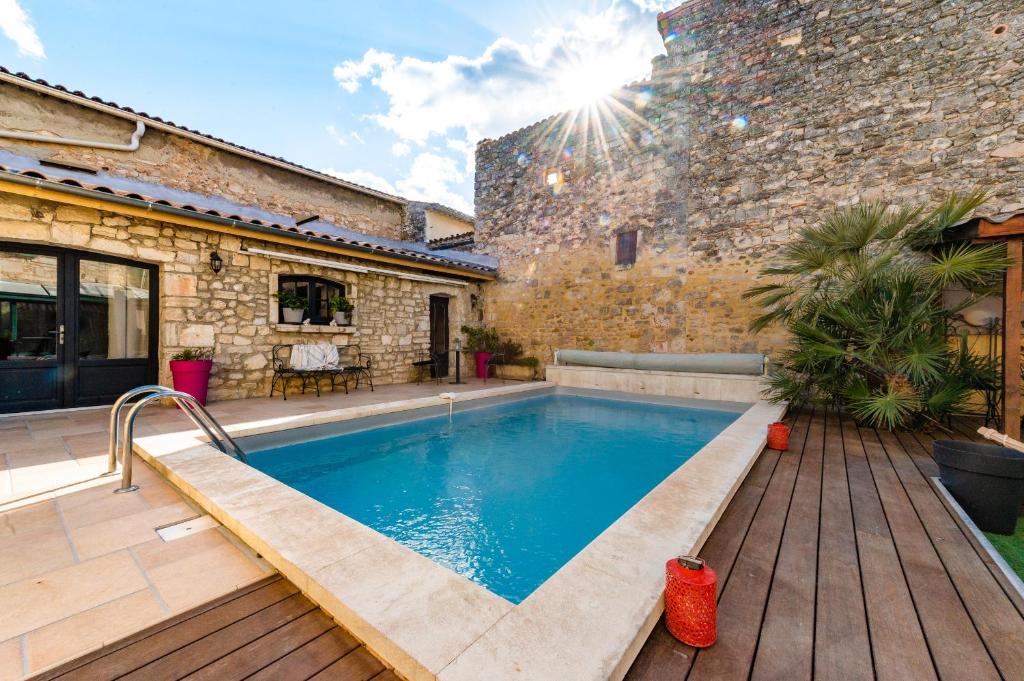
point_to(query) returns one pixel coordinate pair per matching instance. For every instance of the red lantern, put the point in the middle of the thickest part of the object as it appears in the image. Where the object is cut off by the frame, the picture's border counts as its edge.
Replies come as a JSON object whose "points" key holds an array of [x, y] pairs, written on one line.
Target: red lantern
{"points": [[691, 601], [778, 436]]}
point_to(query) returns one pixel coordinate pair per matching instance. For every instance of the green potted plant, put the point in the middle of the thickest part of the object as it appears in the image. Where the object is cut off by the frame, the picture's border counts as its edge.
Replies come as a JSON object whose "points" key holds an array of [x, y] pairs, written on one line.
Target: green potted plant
{"points": [[190, 371], [292, 306], [483, 343], [342, 308], [860, 296], [514, 365]]}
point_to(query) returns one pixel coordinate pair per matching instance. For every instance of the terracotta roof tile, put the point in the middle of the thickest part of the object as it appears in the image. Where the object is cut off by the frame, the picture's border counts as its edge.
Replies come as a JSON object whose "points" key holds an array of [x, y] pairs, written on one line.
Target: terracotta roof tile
{"points": [[202, 206]]}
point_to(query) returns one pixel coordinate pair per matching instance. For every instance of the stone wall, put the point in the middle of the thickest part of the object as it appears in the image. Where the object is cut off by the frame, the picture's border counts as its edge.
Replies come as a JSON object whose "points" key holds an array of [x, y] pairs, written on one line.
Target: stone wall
{"points": [[762, 116], [233, 311], [180, 163]]}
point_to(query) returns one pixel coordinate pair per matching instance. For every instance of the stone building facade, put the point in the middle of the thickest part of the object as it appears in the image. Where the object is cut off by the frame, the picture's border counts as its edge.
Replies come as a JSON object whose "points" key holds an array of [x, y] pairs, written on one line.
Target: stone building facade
{"points": [[167, 207], [762, 116], [233, 311]]}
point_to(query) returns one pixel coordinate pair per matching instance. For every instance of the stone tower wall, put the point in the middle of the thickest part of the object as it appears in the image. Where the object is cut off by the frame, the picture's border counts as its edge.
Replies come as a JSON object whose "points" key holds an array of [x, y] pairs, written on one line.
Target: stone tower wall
{"points": [[761, 117]]}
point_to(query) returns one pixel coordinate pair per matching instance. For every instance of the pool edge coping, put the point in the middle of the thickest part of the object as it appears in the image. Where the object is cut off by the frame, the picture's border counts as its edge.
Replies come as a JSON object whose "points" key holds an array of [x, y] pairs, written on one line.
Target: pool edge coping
{"points": [[475, 623]]}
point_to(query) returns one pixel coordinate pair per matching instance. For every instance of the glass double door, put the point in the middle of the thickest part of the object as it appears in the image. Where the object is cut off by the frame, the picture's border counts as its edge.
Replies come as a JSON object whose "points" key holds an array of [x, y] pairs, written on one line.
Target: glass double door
{"points": [[76, 329]]}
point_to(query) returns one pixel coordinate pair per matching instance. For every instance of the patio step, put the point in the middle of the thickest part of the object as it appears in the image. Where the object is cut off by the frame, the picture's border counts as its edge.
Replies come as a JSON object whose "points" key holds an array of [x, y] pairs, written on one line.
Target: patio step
{"points": [[268, 630]]}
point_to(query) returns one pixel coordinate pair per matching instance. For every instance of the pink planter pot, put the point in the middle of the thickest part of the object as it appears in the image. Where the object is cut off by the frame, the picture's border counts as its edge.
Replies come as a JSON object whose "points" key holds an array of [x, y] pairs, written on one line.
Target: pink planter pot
{"points": [[192, 377], [481, 363]]}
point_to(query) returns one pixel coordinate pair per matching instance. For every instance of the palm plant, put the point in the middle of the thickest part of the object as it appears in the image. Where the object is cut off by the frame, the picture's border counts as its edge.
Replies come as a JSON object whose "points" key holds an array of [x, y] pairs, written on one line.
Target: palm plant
{"points": [[861, 298]]}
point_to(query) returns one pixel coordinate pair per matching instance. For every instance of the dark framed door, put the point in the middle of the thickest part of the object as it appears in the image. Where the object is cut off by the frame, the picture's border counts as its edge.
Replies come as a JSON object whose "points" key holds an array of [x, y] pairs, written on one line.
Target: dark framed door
{"points": [[439, 332], [76, 329]]}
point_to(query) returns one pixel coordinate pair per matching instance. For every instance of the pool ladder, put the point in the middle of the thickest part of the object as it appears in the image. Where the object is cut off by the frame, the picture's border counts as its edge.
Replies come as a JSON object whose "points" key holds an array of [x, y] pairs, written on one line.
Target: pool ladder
{"points": [[121, 435]]}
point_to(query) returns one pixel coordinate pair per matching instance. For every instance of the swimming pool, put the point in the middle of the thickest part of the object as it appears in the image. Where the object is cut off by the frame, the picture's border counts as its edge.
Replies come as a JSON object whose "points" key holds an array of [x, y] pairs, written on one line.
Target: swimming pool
{"points": [[505, 494]]}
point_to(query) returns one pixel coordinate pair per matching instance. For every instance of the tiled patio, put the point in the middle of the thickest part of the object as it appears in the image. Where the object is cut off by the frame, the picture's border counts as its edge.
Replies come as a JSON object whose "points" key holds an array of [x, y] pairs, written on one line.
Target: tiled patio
{"points": [[80, 566]]}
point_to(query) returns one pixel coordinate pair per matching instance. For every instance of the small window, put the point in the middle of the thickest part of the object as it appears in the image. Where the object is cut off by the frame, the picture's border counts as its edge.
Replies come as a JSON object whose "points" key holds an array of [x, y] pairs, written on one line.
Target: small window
{"points": [[316, 291], [625, 248]]}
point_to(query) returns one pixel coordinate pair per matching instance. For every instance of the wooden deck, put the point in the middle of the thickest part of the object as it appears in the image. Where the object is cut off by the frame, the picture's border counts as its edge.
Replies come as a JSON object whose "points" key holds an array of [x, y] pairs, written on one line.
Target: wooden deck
{"points": [[268, 631], [838, 560]]}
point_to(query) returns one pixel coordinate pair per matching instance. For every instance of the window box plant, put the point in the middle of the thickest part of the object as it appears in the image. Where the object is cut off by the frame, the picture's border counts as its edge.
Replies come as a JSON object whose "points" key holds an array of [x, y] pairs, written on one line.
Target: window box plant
{"points": [[483, 343], [190, 371], [292, 306], [342, 308]]}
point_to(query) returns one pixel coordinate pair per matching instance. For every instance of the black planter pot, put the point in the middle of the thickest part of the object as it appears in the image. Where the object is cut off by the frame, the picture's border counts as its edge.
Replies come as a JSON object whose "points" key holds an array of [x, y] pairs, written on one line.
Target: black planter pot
{"points": [[987, 480]]}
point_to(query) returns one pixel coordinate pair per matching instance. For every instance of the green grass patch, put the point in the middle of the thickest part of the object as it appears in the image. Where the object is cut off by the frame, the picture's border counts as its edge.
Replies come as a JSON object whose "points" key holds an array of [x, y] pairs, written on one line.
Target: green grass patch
{"points": [[1011, 546]]}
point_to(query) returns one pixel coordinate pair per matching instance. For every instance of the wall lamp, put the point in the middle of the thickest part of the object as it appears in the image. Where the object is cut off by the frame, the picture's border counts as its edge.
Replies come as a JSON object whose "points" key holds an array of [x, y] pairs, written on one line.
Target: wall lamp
{"points": [[216, 262]]}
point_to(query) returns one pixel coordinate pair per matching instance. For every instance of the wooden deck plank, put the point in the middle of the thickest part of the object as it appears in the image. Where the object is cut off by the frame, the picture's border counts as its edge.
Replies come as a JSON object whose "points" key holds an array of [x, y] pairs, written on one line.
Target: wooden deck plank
{"points": [[898, 645], [359, 665], [313, 657], [786, 646], [955, 646], [386, 675], [994, 615], [842, 647], [265, 650], [662, 657], [139, 649], [746, 592], [203, 651]]}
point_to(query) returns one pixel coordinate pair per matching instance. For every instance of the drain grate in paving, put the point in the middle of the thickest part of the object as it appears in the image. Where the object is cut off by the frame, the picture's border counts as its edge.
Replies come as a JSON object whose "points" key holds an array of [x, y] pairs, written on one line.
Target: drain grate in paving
{"points": [[184, 528]]}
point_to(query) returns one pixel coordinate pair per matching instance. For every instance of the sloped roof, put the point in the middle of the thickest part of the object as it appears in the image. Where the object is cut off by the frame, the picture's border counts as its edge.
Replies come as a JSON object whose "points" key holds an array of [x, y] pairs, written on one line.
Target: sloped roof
{"points": [[443, 209], [452, 241], [38, 84], [203, 206]]}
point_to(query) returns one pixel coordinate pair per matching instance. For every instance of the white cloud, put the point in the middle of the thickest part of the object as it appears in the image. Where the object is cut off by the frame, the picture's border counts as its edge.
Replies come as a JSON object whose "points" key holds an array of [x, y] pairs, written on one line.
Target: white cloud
{"points": [[467, 149], [400, 149], [342, 138], [349, 73], [16, 24], [364, 178], [428, 180], [511, 84], [333, 132]]}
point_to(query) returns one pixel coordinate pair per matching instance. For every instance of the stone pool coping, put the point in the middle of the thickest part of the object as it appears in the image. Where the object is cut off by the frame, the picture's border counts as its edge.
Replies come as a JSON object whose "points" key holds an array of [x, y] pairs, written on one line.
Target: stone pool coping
{"points": [[587, 621]]}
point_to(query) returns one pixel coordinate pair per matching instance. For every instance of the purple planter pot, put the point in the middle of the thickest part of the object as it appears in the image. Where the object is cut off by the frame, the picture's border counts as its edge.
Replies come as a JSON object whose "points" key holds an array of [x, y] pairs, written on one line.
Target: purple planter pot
{"points": [[192, 377]]}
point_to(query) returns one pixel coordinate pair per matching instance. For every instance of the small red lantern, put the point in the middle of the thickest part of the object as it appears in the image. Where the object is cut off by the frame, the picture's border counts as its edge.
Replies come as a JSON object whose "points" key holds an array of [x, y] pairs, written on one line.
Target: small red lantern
{"points": [[778, 436], [691, 606]]}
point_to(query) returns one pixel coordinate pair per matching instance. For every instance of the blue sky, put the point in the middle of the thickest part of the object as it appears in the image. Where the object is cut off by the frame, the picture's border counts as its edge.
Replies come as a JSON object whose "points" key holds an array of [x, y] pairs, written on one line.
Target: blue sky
{"points": [[389, 94]]}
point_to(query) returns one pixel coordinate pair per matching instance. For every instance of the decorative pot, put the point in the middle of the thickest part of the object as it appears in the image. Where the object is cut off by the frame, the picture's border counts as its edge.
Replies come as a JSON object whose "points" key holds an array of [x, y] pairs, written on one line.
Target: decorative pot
{"points": [[481, 363], [293, 315], [986, 480], [342, 318], [778, 436], [192, 377]]}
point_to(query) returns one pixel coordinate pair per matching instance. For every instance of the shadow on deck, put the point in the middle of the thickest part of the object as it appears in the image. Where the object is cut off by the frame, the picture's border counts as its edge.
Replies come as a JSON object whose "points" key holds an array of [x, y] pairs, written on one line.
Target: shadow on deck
{"points": [[838, 560]]}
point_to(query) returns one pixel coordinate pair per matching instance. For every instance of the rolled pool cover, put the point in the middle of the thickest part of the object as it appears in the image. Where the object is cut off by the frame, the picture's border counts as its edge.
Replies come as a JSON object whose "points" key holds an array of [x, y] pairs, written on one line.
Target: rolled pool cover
{"points": [[751, 364]]}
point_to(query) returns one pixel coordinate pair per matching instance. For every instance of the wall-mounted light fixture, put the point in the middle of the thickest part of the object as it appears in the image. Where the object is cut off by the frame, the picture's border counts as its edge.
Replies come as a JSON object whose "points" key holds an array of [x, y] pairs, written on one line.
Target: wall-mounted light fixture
{"points": [[216, 262]]}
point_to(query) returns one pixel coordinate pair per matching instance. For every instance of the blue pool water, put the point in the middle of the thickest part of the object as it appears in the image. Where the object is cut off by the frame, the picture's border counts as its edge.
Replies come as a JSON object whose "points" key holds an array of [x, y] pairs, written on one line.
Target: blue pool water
{"points": [[503, 495]]}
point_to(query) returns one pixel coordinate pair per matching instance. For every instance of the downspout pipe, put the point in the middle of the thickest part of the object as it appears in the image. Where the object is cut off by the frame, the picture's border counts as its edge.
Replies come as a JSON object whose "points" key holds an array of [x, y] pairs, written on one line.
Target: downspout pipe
{"points": [[133, 145]]}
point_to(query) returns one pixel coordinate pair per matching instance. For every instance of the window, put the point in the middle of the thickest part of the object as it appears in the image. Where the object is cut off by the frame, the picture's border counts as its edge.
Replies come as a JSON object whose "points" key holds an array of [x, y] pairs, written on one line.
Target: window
{"points": [[316, 291], [625, 248]]}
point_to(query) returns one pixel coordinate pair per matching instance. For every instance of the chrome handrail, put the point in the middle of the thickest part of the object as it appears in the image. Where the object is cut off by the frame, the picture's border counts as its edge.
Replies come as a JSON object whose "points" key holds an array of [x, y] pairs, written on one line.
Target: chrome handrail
{"points": [[115, 420], [191, 408]]}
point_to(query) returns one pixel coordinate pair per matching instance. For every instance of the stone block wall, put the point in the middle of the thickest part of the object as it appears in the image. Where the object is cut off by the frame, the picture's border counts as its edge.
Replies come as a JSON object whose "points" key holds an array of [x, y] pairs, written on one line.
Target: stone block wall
{"points": [[180, 163], [233, 311], [762, 116]]}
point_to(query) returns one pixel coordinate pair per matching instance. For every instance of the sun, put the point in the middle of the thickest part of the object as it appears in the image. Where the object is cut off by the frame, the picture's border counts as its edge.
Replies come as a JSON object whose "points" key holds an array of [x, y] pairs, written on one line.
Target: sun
{"points": [[585, 83]]}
